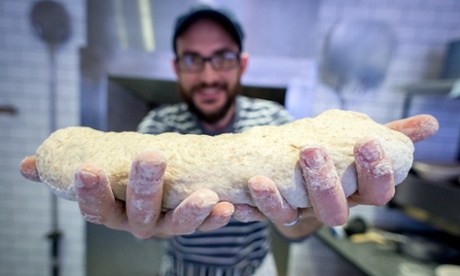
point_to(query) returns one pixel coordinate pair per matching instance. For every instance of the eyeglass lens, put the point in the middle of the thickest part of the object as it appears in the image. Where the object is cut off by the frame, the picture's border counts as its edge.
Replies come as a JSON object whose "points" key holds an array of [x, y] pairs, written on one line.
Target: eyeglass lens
{"points": [[220, 62]]}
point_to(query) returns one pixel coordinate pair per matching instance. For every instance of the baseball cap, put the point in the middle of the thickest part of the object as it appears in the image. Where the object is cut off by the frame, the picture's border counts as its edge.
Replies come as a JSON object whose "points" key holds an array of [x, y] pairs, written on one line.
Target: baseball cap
{"points": [[222, 16]]}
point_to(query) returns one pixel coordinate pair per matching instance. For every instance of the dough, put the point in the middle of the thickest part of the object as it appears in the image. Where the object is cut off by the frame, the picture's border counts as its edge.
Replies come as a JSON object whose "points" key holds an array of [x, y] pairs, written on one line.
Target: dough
{"points": [[221, 163]]}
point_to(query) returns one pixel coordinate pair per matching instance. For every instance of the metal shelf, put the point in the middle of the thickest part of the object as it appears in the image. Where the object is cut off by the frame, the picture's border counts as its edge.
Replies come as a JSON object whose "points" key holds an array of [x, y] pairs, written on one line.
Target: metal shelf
{"points": [[432, 87]]}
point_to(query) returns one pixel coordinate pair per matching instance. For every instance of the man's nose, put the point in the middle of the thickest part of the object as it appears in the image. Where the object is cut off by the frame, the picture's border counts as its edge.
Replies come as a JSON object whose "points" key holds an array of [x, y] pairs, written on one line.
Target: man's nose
{"points": [[208, 75]]}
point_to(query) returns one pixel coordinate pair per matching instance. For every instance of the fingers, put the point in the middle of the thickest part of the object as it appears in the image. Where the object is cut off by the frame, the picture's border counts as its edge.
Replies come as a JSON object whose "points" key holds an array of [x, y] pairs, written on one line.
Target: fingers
{"points": [[323, 185], [143, 215], [201, 210], [417, 128], [190, 213], [95, 198], [375, 173], [28, 169], [219, 216], [144, 192], [269, 200], [246, 213]]}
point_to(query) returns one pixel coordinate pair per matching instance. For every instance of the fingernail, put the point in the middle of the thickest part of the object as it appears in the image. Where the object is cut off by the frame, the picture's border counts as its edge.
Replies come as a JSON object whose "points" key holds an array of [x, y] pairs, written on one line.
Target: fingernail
{"points": [[148, 169], [86, 179], [97, 219], [371, 151], [314, 159], [149, 173]]}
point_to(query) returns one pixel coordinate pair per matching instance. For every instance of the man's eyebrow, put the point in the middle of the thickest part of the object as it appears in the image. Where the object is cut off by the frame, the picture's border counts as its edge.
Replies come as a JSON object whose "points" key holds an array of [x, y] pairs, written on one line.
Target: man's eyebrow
{"points": [[223, 50], [190, 53], [218, 51]]}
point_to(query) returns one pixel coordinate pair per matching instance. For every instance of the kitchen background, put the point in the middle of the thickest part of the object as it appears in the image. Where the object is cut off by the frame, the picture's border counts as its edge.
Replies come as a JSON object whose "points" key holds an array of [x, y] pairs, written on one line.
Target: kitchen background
{"points": [[423, 30]]}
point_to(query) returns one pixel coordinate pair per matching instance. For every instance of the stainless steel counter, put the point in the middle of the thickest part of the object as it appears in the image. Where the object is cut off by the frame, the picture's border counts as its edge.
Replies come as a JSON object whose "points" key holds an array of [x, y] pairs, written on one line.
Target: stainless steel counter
{"points": [[374, 259]]}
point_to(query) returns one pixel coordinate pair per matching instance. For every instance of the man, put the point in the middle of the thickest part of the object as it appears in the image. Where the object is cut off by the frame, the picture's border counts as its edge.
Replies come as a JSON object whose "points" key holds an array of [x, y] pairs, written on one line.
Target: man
{"points": [[203, 234]]}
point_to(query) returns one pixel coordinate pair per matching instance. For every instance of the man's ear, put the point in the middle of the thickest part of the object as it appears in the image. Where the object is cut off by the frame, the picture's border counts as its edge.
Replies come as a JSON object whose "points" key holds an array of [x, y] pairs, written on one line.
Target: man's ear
{"points": [[175, 66], [244, 59]]}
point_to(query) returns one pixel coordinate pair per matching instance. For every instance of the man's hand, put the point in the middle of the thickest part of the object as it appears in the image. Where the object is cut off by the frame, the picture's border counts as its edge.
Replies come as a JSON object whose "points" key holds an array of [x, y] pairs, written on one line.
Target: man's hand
{"points": [[141, 214], [329, 203]]}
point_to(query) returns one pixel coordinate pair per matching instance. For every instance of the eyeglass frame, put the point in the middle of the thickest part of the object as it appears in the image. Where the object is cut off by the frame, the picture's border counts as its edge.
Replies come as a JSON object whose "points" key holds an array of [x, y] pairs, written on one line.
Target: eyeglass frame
{"points": [[209, 59]]}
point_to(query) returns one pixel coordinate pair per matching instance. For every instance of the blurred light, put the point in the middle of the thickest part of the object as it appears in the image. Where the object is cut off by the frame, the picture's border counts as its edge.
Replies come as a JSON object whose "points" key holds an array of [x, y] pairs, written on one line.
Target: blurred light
{"points": [[211, 3], [121, 24], [146, 25]]}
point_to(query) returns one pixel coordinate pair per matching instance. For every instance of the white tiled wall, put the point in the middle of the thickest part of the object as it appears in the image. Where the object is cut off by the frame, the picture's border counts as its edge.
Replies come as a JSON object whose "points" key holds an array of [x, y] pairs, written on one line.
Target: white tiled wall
{"points": [[24, 84], [423, 27]]}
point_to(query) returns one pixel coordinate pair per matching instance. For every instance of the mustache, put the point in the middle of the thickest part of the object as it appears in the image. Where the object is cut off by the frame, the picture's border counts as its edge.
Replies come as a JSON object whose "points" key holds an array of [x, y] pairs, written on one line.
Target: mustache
{"points": [[201, 85]]}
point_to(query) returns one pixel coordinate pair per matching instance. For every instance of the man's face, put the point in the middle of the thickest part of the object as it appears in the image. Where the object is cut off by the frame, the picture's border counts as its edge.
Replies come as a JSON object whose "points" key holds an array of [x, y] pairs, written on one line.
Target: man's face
{"points": [[210, 93]]}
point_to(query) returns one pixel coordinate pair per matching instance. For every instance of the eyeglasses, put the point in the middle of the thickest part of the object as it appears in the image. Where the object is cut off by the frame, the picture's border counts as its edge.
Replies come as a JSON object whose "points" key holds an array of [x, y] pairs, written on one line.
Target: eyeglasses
{"points": [[194, 63]]}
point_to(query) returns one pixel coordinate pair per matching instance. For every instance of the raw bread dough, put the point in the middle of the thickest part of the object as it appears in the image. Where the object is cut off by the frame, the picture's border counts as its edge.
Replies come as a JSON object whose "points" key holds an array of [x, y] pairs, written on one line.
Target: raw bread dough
{"points": [[221, 163]]}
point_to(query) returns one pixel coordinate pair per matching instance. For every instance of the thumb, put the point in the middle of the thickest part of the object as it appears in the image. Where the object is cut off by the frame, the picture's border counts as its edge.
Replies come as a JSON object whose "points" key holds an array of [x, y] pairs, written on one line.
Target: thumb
{"points": [[28, 169]]}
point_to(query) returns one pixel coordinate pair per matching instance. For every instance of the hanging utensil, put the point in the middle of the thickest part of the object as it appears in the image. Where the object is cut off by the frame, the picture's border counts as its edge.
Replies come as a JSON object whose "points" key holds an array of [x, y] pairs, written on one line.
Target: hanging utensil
{"points": [[356, 56], [51, 23]]}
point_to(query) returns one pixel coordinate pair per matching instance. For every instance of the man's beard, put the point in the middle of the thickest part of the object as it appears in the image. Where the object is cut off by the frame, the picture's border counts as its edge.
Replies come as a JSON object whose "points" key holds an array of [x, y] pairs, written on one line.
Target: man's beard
{"points": [[214, 117]]}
